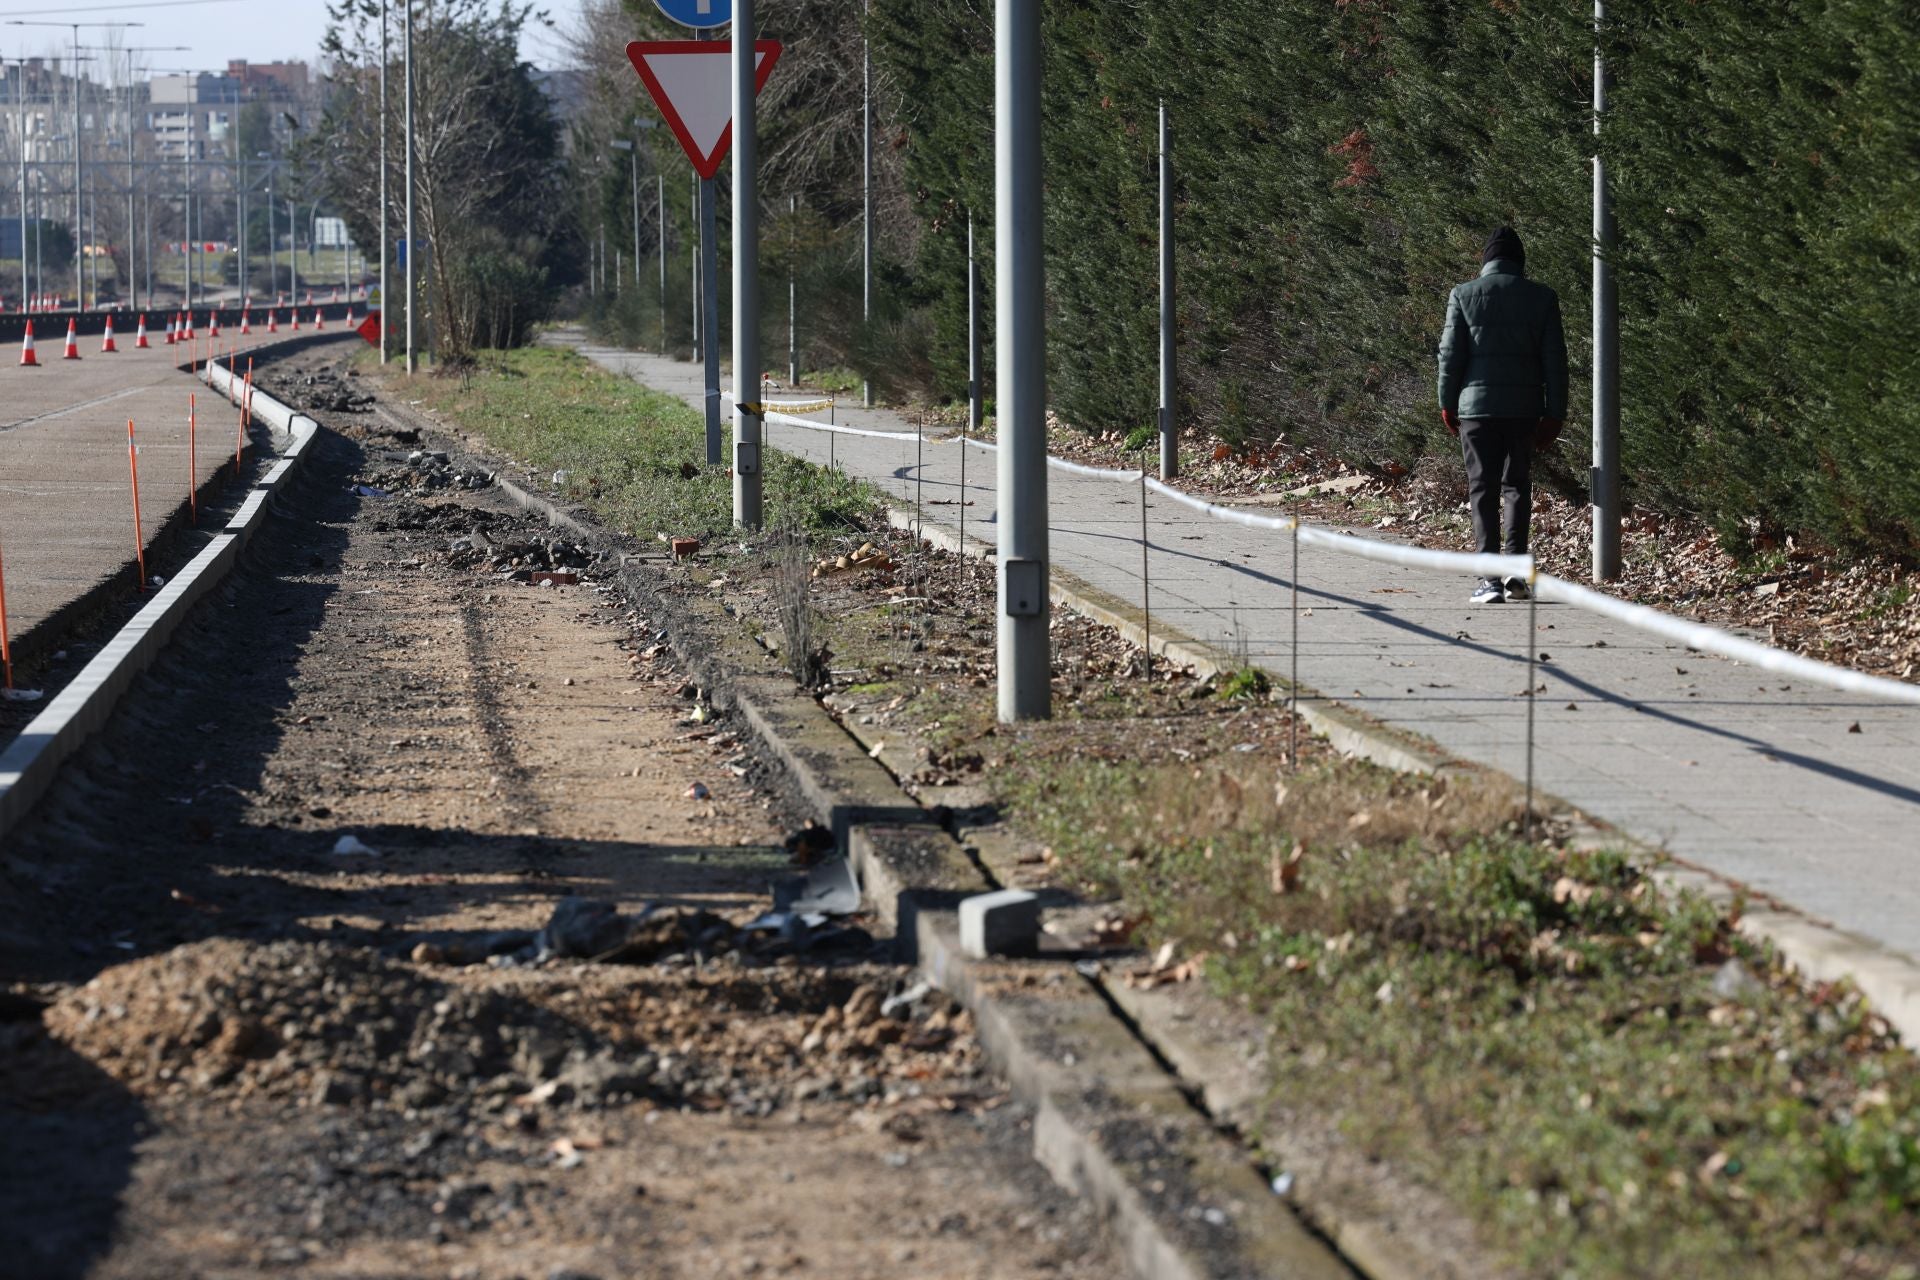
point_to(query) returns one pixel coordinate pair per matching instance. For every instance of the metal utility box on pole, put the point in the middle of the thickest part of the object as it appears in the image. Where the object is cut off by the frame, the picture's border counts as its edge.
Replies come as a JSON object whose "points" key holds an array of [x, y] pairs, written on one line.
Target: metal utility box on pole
{"points": [[1605, 480], [1169, 383], [1025, 661], [747, 411]]}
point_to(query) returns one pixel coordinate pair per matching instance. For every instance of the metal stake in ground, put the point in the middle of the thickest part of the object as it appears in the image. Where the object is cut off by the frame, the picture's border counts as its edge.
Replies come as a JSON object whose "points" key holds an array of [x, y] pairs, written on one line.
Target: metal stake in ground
{"points": [[1293, 677], [1533, 646], [1146, 593], [1169, 393], [139, 538], [964, 446]]}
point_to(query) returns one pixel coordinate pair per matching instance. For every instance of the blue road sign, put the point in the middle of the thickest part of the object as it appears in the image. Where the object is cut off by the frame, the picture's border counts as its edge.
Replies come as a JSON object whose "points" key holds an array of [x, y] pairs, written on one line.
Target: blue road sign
{"points": [[698, 13]]}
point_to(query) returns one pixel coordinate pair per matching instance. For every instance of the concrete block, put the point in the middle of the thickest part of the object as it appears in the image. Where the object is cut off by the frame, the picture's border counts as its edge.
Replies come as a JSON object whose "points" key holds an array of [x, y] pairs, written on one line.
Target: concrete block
{"points": [[1005, 923]]}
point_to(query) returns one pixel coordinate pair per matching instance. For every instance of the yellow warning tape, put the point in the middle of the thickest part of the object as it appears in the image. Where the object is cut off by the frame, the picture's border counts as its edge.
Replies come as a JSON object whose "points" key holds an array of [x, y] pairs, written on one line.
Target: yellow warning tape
{"points": [[797, 406]]}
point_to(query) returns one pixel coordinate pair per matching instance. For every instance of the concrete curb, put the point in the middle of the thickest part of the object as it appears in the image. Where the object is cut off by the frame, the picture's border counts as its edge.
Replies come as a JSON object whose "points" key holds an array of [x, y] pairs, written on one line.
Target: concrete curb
{"points": [[32, 761], [1820, 951], [1110, 1123]]}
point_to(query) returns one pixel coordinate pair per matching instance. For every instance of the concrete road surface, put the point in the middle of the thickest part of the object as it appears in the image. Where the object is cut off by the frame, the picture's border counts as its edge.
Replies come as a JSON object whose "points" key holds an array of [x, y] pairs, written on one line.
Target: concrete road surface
{"points": [[66, 509], [1753, 777]]}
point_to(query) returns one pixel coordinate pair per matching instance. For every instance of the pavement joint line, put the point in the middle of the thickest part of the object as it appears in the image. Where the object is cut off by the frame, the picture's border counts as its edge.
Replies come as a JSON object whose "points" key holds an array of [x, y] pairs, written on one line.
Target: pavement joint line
{"points": [[31, 762], [62, 412], [1819, 950]]}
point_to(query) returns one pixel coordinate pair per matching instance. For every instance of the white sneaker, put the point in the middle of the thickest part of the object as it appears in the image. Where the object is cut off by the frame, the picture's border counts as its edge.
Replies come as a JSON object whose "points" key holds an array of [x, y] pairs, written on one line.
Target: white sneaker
{"points": [[1488, 592]]}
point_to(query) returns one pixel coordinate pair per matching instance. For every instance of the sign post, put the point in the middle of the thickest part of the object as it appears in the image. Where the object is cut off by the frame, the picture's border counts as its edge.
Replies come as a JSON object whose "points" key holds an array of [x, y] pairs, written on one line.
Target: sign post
{"points": [[689, 83], [748, 413]]}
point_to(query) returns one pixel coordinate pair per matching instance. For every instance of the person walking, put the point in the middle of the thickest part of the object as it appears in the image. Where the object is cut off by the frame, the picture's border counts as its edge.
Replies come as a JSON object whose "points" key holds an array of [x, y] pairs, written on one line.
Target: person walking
{"points": [[1503, 395]]}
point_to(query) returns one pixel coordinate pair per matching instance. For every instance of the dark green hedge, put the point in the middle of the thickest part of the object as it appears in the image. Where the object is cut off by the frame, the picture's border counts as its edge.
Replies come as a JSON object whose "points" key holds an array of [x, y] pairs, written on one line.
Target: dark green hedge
{"points": [[1341, 161]]}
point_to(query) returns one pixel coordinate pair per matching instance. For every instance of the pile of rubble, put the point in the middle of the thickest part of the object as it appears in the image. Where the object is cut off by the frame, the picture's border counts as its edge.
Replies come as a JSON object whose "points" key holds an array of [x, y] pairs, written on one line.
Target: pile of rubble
{"points": [[330, 1024], [426, 470], [328, 391], [589, 929]]}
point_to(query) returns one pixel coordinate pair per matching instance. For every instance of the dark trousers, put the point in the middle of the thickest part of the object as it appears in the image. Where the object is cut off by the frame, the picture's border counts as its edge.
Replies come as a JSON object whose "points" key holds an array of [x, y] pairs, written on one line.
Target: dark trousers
{"points": [[1499, 454]]}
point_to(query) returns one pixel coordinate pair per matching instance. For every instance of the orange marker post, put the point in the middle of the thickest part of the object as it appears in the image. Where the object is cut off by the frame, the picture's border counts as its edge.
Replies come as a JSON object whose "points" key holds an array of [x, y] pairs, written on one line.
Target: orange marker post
{"points": [[6, 649], [240, 432], [193, 455], [139, 538]]}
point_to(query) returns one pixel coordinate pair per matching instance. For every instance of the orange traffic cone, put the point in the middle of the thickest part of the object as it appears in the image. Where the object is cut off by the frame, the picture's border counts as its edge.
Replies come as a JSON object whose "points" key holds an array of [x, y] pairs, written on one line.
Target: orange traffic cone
{"points": [[26, 349], [106, 340], [319, 319], [246, 322], [140, 342], [186, 326], [296, 319], [73, 341], [172, 322], [273, 320], [213, 324]]}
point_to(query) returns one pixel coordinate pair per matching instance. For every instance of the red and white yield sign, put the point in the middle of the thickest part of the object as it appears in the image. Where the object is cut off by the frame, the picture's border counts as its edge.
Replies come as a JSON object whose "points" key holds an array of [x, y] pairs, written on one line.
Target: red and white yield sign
{"points": [[692, 83]]}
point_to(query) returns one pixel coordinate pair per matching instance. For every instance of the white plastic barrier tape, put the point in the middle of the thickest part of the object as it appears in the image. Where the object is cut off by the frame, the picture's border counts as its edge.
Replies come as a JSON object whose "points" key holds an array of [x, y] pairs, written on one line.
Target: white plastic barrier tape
{"points": [[1549, 589], [1395, 553], [1696, 635], [791, 421]]}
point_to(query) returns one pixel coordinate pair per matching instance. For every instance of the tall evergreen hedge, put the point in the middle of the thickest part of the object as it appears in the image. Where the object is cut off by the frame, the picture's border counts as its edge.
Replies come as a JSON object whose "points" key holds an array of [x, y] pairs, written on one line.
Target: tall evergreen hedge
{"points": [[1340, 162]]}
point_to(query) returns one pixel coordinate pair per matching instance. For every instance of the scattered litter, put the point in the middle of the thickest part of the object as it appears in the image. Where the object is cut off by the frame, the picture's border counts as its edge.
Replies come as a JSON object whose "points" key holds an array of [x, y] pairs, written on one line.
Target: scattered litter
{"points": [[156, 582], [1734, 981], [349, 846], [828, 888], [553, 577], [913, 995], [22, 695], [560, 479], [1282, 1184], [698, 791], [684, 547], [368, 491]]}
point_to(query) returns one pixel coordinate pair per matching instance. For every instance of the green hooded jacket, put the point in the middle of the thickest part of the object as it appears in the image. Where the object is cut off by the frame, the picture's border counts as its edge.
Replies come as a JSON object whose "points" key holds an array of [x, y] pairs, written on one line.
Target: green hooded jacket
{"points": [[1503, 353]]}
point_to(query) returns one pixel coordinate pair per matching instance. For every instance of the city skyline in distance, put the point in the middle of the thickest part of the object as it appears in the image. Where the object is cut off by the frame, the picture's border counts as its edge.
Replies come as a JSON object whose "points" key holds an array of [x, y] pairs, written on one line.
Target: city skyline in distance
{"points": [[218, 31]]}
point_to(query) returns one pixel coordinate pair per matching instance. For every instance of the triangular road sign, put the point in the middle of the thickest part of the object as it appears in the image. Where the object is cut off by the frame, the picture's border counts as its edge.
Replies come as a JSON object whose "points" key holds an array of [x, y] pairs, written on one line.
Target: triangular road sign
{"points": [[691, 83]]}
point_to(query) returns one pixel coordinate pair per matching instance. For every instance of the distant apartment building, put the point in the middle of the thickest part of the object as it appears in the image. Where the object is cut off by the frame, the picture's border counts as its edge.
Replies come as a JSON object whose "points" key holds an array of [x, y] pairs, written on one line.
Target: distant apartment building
{"points": [[194, 115]]}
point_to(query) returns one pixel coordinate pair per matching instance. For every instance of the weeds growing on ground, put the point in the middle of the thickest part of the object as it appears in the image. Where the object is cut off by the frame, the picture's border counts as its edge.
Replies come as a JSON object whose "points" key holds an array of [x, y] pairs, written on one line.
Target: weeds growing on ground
{"points": [[635, 456], [1601, 1070]]}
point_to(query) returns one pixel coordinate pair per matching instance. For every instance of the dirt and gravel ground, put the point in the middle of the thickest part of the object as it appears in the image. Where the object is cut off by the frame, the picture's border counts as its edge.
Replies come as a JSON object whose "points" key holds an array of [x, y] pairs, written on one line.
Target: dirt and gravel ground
{"points": [[227, 1049]]}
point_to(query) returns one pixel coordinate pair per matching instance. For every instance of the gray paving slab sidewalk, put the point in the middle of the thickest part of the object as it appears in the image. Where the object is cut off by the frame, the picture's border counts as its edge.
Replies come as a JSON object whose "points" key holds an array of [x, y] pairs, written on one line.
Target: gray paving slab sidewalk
{"points": [[66, 508], [1750, 776]]}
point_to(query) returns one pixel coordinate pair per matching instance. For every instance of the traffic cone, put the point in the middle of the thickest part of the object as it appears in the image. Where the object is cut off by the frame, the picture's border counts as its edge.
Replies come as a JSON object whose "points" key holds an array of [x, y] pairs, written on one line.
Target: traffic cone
{"points": [[106, 340], [246, 322], [170, 328], [319, 319], [273, 319], [186, 326], [296, 319], [73, 341], [213, 324], [140, 342], [26, 349]]}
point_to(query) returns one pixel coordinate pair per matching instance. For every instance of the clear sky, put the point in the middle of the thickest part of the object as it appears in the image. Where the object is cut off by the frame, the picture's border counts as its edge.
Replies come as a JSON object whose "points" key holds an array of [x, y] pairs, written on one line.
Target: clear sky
{"points": [[218, 30]]}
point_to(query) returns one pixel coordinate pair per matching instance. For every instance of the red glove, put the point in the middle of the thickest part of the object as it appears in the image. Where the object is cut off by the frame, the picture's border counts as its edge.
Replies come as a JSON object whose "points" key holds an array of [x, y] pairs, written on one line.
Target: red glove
{"points": [[1546, 433], [1451, 421]]}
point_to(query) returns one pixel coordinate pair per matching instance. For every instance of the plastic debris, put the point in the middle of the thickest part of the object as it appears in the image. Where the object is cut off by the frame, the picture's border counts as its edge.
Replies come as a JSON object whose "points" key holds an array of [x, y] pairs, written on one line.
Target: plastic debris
{"points": [[348, 846]]}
